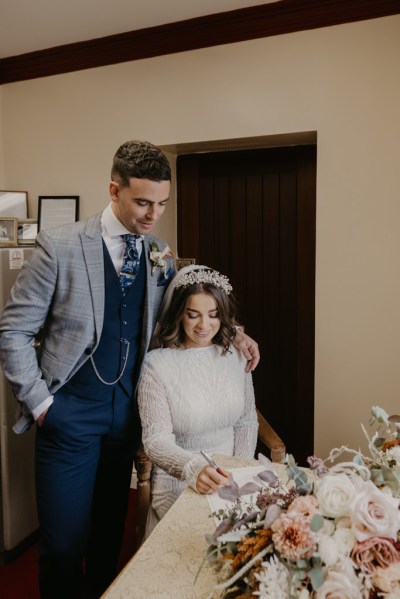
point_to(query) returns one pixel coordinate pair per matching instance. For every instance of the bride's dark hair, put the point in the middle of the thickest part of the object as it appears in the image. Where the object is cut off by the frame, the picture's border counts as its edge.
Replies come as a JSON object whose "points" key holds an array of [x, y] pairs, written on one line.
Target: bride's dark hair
{"points": [[170, 331]]}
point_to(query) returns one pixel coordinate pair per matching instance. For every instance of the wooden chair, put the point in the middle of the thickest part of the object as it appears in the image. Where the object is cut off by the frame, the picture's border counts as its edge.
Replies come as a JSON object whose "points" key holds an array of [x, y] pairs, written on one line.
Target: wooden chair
{"points": [[266, 435]]}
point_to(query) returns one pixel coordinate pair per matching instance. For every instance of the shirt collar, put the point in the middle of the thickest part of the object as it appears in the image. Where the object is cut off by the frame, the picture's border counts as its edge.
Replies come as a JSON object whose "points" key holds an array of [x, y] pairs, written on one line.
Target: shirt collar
{"points": [[111, 226]]}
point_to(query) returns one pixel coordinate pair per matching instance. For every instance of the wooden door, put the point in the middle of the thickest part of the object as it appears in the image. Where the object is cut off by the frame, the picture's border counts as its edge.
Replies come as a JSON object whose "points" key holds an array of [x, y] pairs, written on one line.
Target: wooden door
{"points": [[251, 215]]}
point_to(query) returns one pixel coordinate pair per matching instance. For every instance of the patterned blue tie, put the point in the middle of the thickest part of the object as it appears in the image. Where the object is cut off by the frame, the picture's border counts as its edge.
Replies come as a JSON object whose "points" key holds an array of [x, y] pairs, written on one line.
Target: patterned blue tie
{"points": [[130, 262]]}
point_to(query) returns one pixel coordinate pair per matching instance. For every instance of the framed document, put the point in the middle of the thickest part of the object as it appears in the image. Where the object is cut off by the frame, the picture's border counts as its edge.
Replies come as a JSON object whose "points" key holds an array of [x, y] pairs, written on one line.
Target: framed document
{"points": [[14, 204], [57, 210]]}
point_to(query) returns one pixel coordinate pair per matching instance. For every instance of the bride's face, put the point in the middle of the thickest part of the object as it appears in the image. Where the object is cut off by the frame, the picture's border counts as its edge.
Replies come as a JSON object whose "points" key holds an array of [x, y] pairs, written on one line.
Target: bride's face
{"points": [[200, 320]]}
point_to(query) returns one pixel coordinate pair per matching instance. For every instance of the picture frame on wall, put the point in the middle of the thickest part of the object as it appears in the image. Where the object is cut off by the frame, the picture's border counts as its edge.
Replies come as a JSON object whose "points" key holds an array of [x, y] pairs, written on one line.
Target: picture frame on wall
{"points": [[8, 231], [27, 231], [54, 211], [14, 204], [182, 262]]}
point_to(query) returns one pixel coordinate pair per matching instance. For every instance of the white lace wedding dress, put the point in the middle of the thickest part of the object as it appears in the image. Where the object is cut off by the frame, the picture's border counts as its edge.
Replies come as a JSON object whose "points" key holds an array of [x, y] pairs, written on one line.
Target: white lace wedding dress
{"points": [[193, 399]]}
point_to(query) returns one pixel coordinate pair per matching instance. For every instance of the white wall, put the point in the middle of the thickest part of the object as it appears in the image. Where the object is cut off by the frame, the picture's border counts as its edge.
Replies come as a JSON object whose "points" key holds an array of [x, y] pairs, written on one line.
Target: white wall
{"points": [[59, 135]]}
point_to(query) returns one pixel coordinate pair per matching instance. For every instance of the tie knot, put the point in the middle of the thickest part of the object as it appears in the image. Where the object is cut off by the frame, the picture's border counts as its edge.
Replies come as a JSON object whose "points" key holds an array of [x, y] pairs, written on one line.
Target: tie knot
{"points": [[130, 239]]}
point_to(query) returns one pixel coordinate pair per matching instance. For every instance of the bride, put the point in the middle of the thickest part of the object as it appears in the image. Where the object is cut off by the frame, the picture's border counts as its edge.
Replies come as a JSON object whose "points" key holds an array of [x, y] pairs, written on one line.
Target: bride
{"points": [[195, 393]]}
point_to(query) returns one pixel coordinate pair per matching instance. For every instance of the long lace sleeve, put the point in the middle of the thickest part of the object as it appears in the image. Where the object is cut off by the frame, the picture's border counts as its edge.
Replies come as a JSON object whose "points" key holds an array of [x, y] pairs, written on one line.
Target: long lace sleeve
{"points": [[246, 428], [158, 437]]}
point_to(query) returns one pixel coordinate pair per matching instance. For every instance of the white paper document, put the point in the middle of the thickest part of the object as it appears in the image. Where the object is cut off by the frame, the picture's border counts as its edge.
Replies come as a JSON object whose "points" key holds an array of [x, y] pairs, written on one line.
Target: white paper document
{"points": [[241, 476]]}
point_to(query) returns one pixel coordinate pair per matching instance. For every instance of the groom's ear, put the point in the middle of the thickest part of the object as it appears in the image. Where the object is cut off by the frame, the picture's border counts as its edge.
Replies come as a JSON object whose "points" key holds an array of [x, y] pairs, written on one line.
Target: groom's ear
{"points": [[114, 190]]}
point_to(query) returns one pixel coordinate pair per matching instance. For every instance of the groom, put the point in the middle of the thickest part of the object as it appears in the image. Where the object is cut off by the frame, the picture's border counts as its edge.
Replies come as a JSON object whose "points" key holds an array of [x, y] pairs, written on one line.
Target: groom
{"points": [[72, 339]]}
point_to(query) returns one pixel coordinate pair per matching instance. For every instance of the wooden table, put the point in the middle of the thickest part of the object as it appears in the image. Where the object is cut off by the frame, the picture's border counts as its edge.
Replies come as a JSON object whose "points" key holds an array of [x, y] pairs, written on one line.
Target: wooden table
{"points": [[166, 565]]}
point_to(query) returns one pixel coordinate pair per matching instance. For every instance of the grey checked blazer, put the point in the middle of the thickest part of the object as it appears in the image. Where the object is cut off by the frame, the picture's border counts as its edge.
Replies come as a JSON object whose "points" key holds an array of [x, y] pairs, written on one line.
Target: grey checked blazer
{"points": [[61, 286]]}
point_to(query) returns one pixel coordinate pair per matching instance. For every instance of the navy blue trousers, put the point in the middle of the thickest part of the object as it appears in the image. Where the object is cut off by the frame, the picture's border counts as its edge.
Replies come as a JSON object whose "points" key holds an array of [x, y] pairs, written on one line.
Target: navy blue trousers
{"points": [[84, 456]]}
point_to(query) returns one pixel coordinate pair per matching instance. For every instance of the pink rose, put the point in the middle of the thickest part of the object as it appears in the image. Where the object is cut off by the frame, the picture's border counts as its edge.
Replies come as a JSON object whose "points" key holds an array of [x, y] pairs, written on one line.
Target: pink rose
{"points": [[373, 553]]}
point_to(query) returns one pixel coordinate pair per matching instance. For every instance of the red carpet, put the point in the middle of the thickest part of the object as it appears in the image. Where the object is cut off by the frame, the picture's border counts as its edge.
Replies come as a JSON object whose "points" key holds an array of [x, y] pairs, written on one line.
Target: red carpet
{"points": [[19, 579]]}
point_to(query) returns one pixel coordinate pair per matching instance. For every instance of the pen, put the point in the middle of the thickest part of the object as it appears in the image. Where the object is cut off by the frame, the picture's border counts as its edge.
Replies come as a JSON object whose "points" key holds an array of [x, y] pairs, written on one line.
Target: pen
{"points": [[211, 462]]}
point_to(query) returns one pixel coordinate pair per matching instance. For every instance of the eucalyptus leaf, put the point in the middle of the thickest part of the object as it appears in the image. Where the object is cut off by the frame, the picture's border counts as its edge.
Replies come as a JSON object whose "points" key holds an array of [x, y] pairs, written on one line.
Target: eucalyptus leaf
{"points": [[267, 476], [229, 492], [380, 414], [248, 518], [316, 523], [249, 488], [377, 477], [224, 526], [265, 461], [317, 577], [392, 479], [358, 460], [234, 536]]}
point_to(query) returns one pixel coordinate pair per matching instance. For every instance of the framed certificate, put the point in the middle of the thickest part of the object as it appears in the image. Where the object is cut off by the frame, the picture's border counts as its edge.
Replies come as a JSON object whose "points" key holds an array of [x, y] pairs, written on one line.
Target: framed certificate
{"points": [[57, 210]]}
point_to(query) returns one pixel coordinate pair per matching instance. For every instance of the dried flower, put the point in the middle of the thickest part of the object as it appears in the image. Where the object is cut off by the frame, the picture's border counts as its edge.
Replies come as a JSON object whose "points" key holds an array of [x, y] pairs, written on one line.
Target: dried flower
{"points": [[276, 493], [317, 465], [273, 580], [388, 579]]}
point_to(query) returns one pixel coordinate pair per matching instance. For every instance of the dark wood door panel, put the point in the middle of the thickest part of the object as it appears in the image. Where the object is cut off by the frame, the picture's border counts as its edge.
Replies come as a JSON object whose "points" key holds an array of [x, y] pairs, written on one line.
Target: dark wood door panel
{"points": [[251, 215]]}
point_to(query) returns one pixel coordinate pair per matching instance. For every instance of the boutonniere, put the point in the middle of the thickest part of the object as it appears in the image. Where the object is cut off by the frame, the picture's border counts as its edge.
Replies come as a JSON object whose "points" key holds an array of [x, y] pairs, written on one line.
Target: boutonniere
{"points": [[158, 258]]}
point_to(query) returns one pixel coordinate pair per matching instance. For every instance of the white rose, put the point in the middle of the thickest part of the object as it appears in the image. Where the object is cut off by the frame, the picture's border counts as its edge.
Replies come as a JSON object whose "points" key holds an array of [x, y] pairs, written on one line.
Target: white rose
{"points": [[341, 582], [374, 513], [335, 494]]}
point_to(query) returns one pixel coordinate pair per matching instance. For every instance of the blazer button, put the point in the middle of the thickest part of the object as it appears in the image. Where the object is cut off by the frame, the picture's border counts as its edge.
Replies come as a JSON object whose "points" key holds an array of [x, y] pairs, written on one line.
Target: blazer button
{"points": [[88, 351]]}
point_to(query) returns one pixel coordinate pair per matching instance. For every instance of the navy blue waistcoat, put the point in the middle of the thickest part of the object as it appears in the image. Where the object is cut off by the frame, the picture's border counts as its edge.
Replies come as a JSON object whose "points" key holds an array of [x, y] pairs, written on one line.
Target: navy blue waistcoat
{"points": [[120, 337]]}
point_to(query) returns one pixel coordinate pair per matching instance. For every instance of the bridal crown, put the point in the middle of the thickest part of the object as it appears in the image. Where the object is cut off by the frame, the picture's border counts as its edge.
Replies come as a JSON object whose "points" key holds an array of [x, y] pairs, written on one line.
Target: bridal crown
{"points": [[204, 276]]}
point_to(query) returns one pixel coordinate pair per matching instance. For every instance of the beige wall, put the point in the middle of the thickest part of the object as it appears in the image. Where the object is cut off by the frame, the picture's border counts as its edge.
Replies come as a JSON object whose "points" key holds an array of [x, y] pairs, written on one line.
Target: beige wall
{"points": [[59, 134]]}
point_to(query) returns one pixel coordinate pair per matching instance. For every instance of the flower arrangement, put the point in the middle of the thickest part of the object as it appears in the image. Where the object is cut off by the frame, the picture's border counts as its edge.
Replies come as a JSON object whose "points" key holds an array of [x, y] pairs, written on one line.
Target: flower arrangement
{"points": [[327, 533]]}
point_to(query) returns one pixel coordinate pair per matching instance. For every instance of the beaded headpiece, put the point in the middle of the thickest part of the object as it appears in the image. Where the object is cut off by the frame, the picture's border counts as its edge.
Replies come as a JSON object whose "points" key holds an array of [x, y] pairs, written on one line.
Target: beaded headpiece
{"points": [[204, 276], [189, 275]]}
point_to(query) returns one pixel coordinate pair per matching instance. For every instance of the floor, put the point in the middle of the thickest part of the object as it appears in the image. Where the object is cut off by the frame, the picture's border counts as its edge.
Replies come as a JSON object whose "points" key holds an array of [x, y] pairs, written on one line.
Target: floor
{"points": [[18, 579]]}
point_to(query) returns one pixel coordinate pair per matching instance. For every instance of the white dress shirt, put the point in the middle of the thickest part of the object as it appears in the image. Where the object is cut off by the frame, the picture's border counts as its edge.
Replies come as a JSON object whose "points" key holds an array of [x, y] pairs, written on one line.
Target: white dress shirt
{"points": [[111, 230]]}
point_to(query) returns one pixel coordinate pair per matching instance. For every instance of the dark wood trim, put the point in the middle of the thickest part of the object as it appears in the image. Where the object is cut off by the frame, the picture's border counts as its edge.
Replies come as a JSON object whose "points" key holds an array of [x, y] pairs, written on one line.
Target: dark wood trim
{"points": [[286, 16]]}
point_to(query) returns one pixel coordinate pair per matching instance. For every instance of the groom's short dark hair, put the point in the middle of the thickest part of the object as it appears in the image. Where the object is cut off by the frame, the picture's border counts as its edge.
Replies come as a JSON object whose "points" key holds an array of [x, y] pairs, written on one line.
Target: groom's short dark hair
{"points": [[142, 160]]}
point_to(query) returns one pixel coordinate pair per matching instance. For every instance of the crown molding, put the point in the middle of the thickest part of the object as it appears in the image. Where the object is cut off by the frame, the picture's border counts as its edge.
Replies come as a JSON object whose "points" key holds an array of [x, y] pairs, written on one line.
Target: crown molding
{"points": [[286, 16]]}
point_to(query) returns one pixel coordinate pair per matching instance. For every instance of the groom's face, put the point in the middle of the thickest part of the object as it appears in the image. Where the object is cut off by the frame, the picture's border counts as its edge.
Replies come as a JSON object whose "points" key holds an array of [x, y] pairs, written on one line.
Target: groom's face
{"points": [[139, 206]]}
